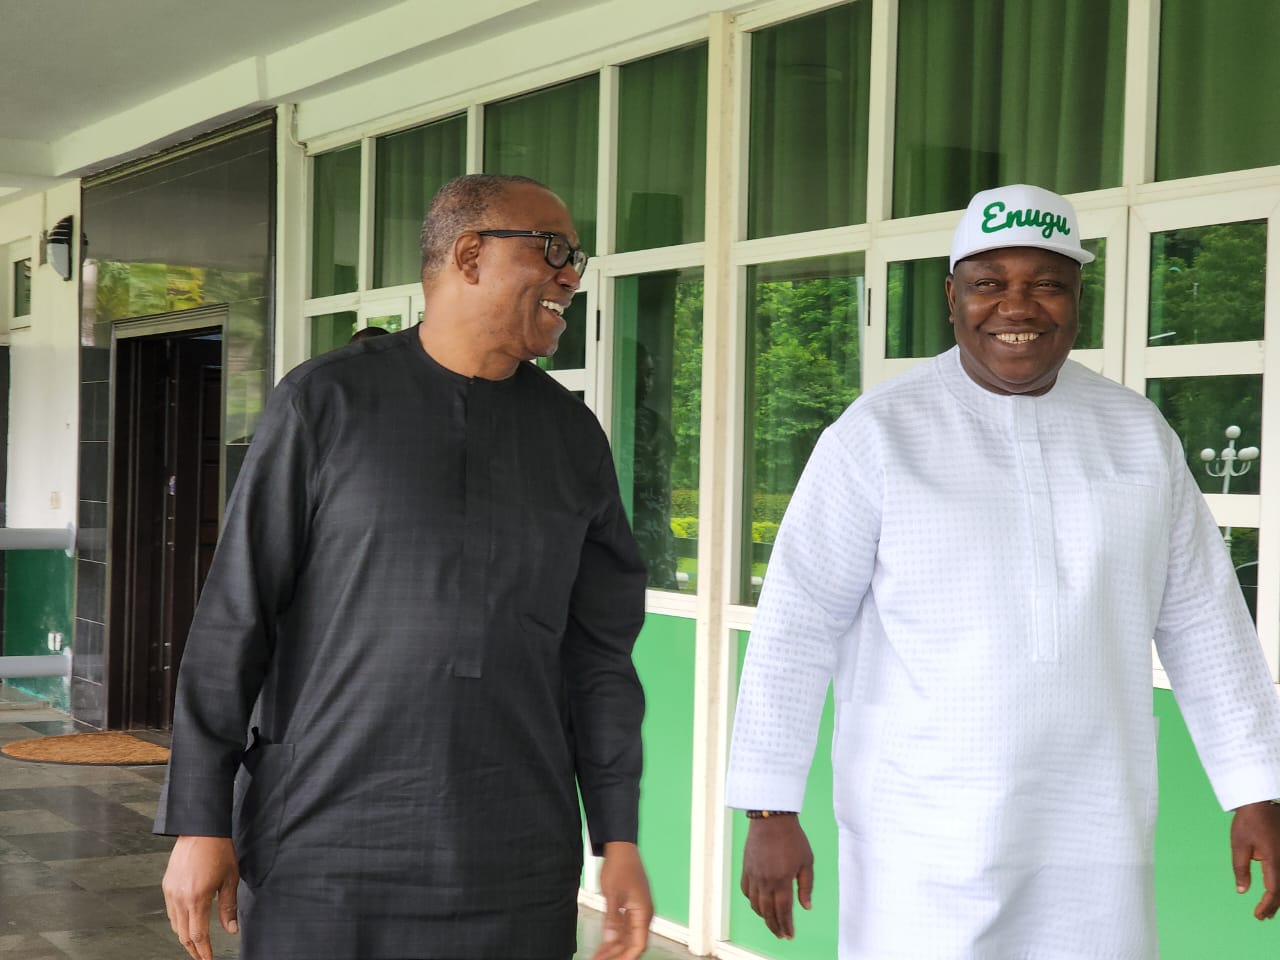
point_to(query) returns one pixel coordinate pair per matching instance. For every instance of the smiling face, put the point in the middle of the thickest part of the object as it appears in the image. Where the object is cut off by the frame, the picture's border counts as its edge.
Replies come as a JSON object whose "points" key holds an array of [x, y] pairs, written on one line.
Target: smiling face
{"points": [[526, 296], [1016, 314]]}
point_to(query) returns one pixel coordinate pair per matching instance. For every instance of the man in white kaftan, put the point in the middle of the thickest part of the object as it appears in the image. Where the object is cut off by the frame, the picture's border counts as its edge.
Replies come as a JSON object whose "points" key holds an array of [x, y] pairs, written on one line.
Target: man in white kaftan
{"points": [[977, 556]]}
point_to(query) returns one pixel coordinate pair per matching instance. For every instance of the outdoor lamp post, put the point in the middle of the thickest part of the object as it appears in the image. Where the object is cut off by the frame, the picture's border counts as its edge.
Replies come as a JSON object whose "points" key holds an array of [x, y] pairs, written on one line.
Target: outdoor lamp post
{"points": [[1230, 463]]}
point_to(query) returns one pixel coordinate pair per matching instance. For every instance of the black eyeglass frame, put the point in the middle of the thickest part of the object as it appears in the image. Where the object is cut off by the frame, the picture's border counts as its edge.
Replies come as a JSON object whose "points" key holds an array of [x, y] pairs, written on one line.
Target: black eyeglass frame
{"points": [[572, 254]]}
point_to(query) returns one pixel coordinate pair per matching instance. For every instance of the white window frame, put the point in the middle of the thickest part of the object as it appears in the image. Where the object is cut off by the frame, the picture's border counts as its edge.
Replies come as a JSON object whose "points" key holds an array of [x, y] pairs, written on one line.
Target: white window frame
{"points": [[1189, 207]]}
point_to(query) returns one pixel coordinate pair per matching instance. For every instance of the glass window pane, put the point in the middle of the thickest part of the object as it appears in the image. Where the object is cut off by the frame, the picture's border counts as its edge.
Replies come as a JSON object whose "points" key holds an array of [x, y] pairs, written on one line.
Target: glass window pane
{"points": [[572, 352], [331, 330], [1243, 542], [1200, 409], [1092, 296], [551, 135], [1208, 284], [803, 368], [391, 322], [411, 167], [808, 153], [918, 322], [657, 377], [22, 287], [1006, 91], [1219, 73], [335, 225], [662, 149]]}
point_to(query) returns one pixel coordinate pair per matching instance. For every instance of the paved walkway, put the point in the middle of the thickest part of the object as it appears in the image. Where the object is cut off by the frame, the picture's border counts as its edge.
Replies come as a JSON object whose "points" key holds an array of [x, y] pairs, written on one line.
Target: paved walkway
{"points": [[79, 868]]}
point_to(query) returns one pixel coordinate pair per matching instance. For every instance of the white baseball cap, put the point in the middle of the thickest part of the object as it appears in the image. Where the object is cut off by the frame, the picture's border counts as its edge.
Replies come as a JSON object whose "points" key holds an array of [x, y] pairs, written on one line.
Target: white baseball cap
{"points": [[1018, 215]]}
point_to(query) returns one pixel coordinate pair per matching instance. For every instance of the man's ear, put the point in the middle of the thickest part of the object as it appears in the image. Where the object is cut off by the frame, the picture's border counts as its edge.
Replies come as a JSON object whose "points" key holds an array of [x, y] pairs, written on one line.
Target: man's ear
{"points": [[466, 256], [951, 298]]}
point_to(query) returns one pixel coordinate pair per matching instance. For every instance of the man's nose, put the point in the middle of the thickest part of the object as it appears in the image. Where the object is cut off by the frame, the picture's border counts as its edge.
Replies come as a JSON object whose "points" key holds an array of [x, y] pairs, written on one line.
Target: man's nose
{"points": [[568, 277], [1017, 302]]}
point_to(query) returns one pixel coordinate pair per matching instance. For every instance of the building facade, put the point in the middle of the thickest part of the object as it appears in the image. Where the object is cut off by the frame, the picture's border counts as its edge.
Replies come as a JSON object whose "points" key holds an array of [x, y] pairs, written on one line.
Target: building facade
{"points": [[768, 190]]}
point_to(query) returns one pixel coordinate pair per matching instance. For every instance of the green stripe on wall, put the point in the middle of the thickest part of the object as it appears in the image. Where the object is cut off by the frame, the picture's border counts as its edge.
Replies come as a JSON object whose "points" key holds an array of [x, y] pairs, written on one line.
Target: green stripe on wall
{"points": [[38, 600], [1199, 914], [816, 929], [664, 659]]}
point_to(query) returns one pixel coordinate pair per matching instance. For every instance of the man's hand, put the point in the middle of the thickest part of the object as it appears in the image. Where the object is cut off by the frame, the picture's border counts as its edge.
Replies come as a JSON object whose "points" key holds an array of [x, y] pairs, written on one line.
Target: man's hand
{"points": [[1255, 835], [628, 904], [777, 855], [199, 869]]}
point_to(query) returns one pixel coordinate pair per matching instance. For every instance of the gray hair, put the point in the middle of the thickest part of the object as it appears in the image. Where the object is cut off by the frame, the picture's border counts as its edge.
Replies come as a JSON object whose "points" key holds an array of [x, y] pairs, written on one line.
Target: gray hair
{"points": [[460, 205]]}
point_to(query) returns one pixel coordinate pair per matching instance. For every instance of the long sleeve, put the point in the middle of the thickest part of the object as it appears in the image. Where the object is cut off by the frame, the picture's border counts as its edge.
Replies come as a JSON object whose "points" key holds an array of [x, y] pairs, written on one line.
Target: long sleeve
{"points": [[1209, 647], [819, 573], [606, 701], [232, 636]]}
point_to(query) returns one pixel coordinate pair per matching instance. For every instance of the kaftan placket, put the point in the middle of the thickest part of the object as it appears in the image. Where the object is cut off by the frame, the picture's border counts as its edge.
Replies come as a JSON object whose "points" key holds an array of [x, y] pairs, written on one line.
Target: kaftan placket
{"points": [[1037, 504]]}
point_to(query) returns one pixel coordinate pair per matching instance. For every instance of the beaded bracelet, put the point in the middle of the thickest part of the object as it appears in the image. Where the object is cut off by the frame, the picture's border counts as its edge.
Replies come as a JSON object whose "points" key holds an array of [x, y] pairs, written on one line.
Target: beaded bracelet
{"points": [[766, 814]]}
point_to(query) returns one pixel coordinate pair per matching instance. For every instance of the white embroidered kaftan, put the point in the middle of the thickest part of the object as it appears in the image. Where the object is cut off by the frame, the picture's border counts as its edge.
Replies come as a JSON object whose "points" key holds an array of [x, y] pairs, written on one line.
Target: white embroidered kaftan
{"points": [[980, 576]]}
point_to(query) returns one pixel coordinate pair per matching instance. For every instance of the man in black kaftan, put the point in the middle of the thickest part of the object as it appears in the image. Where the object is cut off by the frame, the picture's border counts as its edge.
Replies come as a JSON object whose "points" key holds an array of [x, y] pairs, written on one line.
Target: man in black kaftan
{"points": [[428, 587]]}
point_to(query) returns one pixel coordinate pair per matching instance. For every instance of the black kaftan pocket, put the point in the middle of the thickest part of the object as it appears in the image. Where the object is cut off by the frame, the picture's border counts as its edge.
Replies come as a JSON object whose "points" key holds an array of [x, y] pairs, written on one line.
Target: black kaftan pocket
{"points": [[261, 791]]}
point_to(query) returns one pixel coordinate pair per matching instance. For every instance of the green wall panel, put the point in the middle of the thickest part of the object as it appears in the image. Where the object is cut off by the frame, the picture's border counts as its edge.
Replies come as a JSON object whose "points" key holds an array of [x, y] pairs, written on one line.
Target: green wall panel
{"points": [[664, 659], [816, 930], [1197, 907], [39, 591], [1198, 911]]}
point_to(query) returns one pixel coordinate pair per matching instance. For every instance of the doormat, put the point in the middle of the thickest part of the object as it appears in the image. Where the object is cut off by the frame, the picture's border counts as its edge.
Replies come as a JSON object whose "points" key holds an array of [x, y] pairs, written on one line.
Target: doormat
{"points": [[103, 749]]}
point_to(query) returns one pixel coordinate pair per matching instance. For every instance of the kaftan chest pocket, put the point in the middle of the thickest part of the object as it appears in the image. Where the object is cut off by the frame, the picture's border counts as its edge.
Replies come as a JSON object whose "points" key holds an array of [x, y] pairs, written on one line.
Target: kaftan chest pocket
{"points": [[1128, 519], [553, 538], [855, 758], [261, 791]]}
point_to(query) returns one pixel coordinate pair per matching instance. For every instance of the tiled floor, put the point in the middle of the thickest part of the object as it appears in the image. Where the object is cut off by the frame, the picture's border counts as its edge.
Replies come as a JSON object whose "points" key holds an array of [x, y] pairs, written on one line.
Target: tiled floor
{"points": [[79, 868]]}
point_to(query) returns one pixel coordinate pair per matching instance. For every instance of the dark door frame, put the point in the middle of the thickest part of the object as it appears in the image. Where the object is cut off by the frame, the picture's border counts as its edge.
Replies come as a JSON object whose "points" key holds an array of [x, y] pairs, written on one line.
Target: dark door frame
{"points": [[154, 538]]}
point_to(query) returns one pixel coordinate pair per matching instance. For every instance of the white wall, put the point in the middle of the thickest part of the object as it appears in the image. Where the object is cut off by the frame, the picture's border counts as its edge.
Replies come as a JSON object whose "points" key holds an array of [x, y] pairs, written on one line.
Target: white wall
{"points": [[44, 364]]}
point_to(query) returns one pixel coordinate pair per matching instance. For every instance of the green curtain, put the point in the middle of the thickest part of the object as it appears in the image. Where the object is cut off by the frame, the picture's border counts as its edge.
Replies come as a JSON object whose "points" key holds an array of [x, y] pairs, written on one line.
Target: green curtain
{"points": [[917, 309], [411, 167], [1006, 91], [1219, 78], [662, 150], [808, 141], [551, 135], [335, 221]]}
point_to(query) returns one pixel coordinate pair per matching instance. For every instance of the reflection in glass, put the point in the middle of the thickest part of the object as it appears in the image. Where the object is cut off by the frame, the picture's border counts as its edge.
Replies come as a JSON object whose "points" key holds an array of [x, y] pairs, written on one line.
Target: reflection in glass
{"points": [[411, 167], [552, 136], [1092, 296], [1218, 77], [335, 223], [918, 322], [571, 354], [390, 322], [1244, 557], [1208, 284], [1201, 408], [966, 123], [332, 330], [803, 369], [657, 376], [22, 287], [662, 149], [809, 102]]}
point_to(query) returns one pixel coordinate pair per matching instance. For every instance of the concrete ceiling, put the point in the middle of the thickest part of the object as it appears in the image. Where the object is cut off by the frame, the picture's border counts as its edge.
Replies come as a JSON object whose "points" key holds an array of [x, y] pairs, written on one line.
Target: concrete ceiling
{"points": [[84, 86]]}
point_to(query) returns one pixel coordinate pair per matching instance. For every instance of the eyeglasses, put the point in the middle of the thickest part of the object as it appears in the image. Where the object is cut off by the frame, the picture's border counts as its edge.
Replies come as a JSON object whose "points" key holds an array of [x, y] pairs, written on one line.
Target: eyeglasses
{"points": [[555, 248]]}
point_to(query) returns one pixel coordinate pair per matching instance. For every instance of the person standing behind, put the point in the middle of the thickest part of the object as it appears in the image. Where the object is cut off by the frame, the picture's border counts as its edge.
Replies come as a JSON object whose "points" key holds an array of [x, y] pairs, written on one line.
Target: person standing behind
{"points": [[977, 558], [427, 595]]}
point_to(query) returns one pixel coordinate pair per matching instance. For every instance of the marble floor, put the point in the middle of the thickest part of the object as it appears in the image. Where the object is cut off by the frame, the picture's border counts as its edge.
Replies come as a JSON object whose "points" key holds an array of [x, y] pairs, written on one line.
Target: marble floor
{"points": [[79, 868]]}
